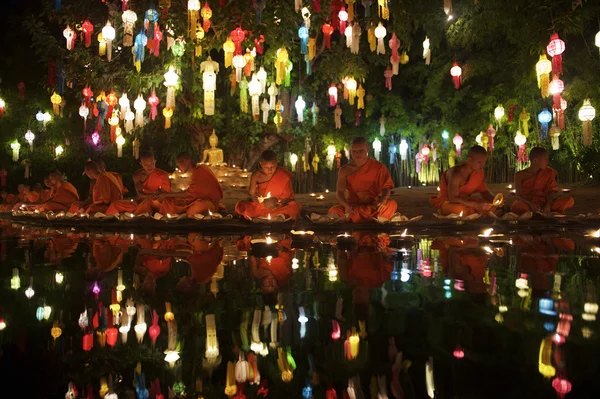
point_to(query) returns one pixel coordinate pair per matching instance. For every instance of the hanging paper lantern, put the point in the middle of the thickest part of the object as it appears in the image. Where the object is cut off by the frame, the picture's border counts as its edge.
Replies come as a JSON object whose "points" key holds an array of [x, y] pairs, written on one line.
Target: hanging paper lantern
{"points": [[281, 63], [351, 86], [120, 141], [554, 137], [403, 150], [315, 113], [426, 51], [343, 17], [84, 112], [556, 88], [327, 30], [587, 113], [261, 75], [458, 141], [95, 138], [108, 34], [139, 105], [383, 9], [112, 102], [124, 105], [303, 35], [139, 50], [377, 148], [70, 36], [337, 115], [15, 146], [265, 111], [254, 90], [56, 100], [544, 118], [524, 122], [206, 14], [209, 69], [249, 58], [171, 81], [458, 352], [388, 74], [129, 118], [333, 93], [129, 19], [543, 68], [87, 94], [2, 106], [193, 7], [499, 114], [238, 36], [482, 140], [59, 150], [456, 73], [273, 91], [29, 137], [238, 63], [113, 122], [555, 49], [300, 104], [520, 141], [88, 29], [445, 137], [360, 93], [380, 33]]}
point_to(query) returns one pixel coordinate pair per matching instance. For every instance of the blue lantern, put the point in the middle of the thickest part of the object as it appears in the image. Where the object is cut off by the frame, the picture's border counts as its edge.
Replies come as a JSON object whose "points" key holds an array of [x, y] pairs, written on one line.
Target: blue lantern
{"points": [[546, 306], [303, 35], [445, 136], [544, 117]]}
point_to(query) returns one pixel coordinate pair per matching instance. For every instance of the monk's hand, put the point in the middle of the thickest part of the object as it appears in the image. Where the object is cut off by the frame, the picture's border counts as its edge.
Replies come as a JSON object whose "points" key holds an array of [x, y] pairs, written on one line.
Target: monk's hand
{"points": [[271, 203], [548, 208], [483, 206], [348, 208], [535, 207], [382, 204]]}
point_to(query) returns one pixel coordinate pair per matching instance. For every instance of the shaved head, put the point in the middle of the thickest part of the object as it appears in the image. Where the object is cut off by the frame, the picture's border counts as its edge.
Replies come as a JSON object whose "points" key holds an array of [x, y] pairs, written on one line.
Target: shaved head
{"points": [[184, 162], [477, 150], [359, 141]]}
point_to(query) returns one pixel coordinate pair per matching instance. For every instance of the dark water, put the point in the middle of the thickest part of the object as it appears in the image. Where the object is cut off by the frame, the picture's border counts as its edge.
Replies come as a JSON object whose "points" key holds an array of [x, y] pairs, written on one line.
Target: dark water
{"points": [[407, 317]]}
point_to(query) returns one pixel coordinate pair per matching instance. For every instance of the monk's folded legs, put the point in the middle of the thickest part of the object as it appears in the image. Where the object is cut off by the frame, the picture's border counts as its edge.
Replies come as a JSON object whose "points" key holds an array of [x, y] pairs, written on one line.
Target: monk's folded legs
{"points": [[366, 213], [452, 207], [559, 205], [252, 210], [52, 207], [200, 207], [121, 206]]}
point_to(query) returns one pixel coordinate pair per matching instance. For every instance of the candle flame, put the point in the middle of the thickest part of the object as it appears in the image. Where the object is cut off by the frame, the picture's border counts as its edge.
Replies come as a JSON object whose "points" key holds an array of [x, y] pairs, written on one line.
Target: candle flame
{"points": [[460, 214], [510, 186], [438, 188], [269, 240], [210, 213], [404, 233], [596, 234], [487, 232], [268, 195], [269, 216], [327, 191]]}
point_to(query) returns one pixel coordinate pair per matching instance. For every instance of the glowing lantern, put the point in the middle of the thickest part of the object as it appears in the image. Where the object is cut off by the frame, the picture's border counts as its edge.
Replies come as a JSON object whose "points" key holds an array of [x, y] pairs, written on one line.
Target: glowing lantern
{"points": [[55, 331], [254, 90], [300, 105], [383, 9], [140, 326], [561, 385], [139, 105], [129, 19], [56, 99], [139, 53], [209, 69], [555, 49], [458, 352], [2, 105], [303, 35], [499, 114], [293, 160], [337, 116], [543, 68], [120, 141], [87, 29], [171, 81], [458, 141], [456, 73], [351, 87], [587, 113], [273, 91], [491, 133], [281, 63], [425, 150], [265, 111], [206, 14], [167, 113], [70, 36], [108, 34], [15, 281], [327, 30], [377, 148], [544, 118], [554, 137], [29, 292], [239, 62], [129, 118], [445, 137], [520, 141], [193, 12], [59, 277], [2, 324], [403, 150], [330, 154], [426, 51], [84, 112], [333, 93], [315, 113], [556, 88], [380, 33], [15, 146], [343, 17], [29, 136], [524, 122], [278, 118], [153, 101]]}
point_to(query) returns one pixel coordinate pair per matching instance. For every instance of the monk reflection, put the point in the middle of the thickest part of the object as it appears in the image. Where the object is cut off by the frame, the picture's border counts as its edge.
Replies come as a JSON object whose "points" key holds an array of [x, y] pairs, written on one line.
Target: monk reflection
{"points": [[463, 259], [151, 263], [538, 258], [366, 267], [62, 246], [273, 272], [107, 254]]}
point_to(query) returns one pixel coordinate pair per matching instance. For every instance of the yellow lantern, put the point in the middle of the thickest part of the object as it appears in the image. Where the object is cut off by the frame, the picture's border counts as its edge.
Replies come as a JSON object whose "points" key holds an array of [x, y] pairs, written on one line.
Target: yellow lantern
{"points": [[229, 49], [193, 13], [55, 331], [543, 68], [351, 87], [167, 113], [120, 141], [281, 62], [56, 99]]}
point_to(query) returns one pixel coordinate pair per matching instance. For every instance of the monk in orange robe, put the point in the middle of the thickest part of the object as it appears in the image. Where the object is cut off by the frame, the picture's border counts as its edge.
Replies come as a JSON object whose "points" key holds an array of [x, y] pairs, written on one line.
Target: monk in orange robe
{"points": [[203, 194], [460, 182], [62, 195], [274, 272], [107, 189], [536, 187], [149, 183], [44, 195], [7, 201], [273, 182], [363, 187]]}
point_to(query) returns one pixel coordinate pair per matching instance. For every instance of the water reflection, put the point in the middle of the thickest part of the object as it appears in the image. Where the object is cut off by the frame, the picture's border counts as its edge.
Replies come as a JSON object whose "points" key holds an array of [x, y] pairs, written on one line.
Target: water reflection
{"points": [[301, 314]]}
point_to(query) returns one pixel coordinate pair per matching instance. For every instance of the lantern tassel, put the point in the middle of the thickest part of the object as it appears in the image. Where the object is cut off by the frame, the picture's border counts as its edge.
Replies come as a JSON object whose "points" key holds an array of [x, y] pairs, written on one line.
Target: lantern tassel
{"points": [[587, 133]]}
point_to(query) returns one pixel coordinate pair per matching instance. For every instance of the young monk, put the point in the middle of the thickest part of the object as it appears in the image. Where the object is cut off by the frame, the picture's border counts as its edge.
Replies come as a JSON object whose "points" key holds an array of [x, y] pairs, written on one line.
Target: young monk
{"points": [[363, 187], [62, 194], [203, 194], [536, 187], [460, 182], [269, 181], [44, 195], [149, 183], [7, 201], [107, 189]]}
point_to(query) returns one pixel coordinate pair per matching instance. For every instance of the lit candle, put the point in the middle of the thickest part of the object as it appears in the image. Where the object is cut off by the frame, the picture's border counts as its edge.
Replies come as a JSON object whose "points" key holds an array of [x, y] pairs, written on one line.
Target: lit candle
{"points": [[313, 194], [320, 198], [327, 191]]}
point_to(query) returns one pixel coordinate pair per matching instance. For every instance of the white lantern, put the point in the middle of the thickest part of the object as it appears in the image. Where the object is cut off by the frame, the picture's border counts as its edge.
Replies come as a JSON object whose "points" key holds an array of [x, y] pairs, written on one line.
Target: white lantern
{"points": [[351, 87], [129, 19], [265, 111], [261, 75], [520, 139], [84, 112], [348, 34], [29, 292], [129, 118], [139, 105], [293, 160], [15, 146], [120, 141], [171, 81], [29, 136], [587, 113], [403, 150], [124, 104], [300, 105], [108, 34], [426, 51], [70, 35], [254, 90], [273, 92], [330, 155], [380, 33], [598, 39], [59, 277], [239, 62], [59, 151], [377, 148], [499, 113]]}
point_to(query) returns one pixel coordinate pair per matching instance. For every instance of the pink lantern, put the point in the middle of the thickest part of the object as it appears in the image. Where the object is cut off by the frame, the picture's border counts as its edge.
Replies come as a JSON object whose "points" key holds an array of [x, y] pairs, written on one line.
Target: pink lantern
{"points": [[556, 88], [335, 330], [238, 36], [154, 330], [95, 138], [327, 30], [343, 16], [555, 49], [491, 133], [458, 141], [153, 101], [561, 385], [333, 93], [458, 352], [456, 73]]}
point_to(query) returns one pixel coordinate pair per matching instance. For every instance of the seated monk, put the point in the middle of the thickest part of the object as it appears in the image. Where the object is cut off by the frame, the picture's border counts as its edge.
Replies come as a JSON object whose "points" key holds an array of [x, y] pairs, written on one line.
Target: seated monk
{"points": [[62, 194], [102, 167], [273, 182], [203, 194], [149, 183], [21, 197], [107, 189], [44, 195], [363, 187], [274, 272], [462, 180], [536, 187], [7, 201]]}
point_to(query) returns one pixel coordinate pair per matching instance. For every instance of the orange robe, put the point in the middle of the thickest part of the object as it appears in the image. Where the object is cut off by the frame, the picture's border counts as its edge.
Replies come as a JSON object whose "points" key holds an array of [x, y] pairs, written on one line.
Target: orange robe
{"points": [[204, 264], [45, 195], [8, 202], [107, 254], [204, 194], [279, 186], [475, 184], [62, 198], [107, 189], [158, 179], [363, 187], [536, 188]]}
